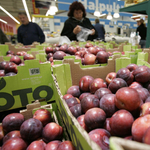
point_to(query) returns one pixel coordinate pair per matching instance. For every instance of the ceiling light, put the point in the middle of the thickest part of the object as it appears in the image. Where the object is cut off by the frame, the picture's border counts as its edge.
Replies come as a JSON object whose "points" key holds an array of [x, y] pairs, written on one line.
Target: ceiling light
{"points": [[3, 21], [49, 12], [97, 13], [53, 7], [109, 16], [116, 15], [26, 9], [9, 14]]}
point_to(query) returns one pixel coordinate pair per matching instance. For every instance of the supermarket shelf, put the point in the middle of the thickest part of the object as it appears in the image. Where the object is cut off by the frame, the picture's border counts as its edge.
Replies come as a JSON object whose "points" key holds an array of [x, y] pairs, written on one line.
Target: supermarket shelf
{"points": [[141, 8]]}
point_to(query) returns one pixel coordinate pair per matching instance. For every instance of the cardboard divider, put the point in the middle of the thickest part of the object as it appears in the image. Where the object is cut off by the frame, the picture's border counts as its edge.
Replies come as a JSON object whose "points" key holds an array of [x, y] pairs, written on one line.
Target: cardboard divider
{"points": [[117, 143], [12, 47], [78, 135], [77, 72]]}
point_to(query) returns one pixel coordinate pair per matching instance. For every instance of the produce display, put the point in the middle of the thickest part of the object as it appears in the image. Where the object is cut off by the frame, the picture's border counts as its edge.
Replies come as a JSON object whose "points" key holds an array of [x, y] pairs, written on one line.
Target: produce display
{"points": [[37, 133], [9, 68], [117, 106], [89, 53]]}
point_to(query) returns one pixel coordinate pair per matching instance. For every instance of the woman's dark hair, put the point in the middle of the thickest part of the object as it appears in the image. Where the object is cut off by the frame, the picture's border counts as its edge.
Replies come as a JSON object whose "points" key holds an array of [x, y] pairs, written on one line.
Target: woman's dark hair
{"points": [[76, 6]]}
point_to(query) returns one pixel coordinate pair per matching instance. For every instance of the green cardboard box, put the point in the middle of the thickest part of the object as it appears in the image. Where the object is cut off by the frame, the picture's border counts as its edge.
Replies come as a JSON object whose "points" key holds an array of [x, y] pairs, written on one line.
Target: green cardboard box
{"points": [[66, 75], [117, 143], [33, 81]]}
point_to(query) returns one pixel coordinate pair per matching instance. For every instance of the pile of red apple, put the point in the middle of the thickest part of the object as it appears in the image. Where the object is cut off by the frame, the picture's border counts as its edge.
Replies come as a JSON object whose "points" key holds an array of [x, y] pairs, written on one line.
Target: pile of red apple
{"points": [[89, 54], [37, 133], [10, 68], [118, 106]]}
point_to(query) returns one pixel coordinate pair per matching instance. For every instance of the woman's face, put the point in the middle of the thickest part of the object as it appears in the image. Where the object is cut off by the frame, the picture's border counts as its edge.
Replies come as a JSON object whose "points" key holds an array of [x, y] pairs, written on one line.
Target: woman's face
{"points": [[78, 14]]}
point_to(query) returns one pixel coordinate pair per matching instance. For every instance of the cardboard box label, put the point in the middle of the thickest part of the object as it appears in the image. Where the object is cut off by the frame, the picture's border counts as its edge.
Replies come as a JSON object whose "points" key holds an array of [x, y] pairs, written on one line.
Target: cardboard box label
{"points": [[33, 81]]}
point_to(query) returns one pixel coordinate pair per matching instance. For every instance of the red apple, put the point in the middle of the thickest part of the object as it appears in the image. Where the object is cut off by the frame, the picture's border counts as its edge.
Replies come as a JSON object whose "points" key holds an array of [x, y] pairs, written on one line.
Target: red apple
{"points": [[116, 84], [15, 144], [142, 74], [71, 50], [55, 49], [147, 100], [72, 101], [107, 103], [87, 45], [83, 95], [10, 67], [28, 57], [101, 137], [49, 55], [37, 145], [1, 133], [139, 127], [43, 115], [74, 91], [67, 96], [127, 98], [52, 131], [76, 110], [12, 134], [107, 125], [110, 76], [94, 118], [49, 50], [3, 64], [9, 55], [64, 48], [59, 55], [121, 123], [2, 73], [101, 92], [80, 119], [66, 145], [132, 67], [102, 57], [146, 137], [98, 49], [135, 85], [16, 60], [10, 74], [10, 52], [89, 59], [89, 102], [53, 145], [145, 109], [96, 84], [85, 82], [12, 122], [126, 75], [31, 129], [143, 92], [50, 59], [92, 50]]}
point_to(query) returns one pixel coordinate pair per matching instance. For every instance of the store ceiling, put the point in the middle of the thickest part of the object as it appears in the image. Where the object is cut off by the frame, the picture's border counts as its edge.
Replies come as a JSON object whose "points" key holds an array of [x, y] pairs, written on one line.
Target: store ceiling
{"points": [[15, 6]]}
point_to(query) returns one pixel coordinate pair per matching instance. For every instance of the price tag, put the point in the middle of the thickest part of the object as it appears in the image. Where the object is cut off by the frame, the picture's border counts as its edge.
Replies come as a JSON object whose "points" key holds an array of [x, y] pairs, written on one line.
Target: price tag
{"points": [[34, 71]]}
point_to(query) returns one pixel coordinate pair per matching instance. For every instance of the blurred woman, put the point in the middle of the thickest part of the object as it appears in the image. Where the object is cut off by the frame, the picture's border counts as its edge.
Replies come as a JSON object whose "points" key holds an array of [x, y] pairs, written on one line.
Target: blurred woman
{"points": [[77, 18], [142, 29]]}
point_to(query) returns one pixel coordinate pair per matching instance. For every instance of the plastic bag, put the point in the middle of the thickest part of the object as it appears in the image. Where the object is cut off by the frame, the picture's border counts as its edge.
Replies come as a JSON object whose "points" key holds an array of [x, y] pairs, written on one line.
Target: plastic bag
{"points": [[83, 34], [64, 40], [134, 38]]}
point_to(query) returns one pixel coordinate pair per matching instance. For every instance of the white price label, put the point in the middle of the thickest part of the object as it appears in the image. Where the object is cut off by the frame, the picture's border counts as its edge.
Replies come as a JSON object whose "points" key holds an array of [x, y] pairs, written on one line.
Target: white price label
{"points": [[34, 71]]}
